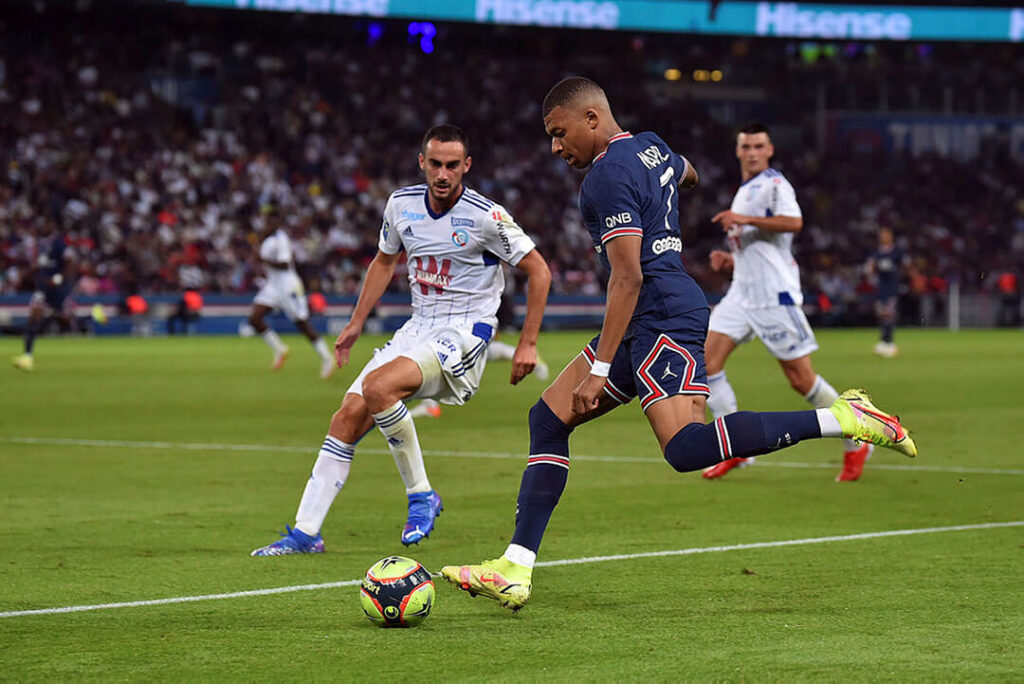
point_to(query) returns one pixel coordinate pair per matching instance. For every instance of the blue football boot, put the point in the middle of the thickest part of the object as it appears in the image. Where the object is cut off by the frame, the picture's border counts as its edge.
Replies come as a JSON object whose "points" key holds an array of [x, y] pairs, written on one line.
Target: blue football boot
{"points": [[424, 507], [292, 541]]}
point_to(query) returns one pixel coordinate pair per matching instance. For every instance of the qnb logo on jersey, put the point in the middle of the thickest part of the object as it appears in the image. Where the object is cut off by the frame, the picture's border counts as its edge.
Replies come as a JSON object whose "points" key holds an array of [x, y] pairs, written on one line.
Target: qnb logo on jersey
{"points": [[413, 215], [460, 237], [623, 218], [432, 275], [652, 157], [666, 244]]}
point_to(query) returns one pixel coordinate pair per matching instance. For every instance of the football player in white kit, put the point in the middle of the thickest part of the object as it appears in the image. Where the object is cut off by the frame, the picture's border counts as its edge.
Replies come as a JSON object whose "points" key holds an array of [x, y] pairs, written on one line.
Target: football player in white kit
{"points": [[283, 290], [765, 298], [454, 240]]}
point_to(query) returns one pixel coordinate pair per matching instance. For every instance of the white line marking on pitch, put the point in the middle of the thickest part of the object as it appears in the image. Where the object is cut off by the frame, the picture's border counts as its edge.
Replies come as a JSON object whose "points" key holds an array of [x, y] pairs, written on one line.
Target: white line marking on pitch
{"points": [[567, 561], [201, 446]]}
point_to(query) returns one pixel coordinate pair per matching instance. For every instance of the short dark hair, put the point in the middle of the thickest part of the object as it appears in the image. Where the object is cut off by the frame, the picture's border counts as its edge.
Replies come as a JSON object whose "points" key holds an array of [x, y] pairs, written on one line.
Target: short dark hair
{"points": [[752, 127], [446, 133], [566, 91]]}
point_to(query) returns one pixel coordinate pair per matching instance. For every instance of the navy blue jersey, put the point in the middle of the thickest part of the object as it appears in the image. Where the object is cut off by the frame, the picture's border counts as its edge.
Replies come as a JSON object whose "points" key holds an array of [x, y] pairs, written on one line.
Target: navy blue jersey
{"points": [[51, 258], [888, 264], [632, 189]]}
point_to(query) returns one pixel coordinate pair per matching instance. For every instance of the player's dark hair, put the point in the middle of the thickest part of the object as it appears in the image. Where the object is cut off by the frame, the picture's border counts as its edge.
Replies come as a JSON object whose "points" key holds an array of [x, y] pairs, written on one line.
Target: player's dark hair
{"points": [[446, 133], [754, 127], [566, 91]]}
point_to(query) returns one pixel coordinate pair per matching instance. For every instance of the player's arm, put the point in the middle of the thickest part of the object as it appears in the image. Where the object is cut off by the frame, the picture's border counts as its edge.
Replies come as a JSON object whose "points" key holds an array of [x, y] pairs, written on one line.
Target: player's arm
{"points": [[378, 275], [623, 290], [537, 287], [690, 178], [721, 260], [771, 224]]}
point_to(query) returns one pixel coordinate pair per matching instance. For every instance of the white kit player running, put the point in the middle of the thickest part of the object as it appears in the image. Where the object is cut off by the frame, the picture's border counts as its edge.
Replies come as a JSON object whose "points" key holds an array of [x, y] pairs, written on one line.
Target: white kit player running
{"points": [[454, 239], [283, 291], [765, 297]]}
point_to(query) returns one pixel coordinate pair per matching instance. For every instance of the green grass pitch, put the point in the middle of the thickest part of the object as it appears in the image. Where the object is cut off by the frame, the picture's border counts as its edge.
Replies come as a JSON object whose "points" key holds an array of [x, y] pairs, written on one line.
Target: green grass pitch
{"points": [[139, 469]]}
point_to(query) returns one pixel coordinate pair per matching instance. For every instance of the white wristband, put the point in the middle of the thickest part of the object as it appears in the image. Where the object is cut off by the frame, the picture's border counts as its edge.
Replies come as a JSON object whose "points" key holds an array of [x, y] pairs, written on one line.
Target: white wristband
{"points": [[600, 368]]}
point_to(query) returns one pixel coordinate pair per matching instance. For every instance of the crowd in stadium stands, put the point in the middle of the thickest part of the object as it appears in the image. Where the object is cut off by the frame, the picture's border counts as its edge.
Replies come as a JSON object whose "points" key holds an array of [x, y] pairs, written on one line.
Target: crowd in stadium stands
{"points": [[154, 140]]}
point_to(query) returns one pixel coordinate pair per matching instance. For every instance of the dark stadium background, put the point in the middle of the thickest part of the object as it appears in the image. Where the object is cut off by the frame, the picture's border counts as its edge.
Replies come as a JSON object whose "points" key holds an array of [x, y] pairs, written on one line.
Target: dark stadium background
{"points": [[153, 132]]}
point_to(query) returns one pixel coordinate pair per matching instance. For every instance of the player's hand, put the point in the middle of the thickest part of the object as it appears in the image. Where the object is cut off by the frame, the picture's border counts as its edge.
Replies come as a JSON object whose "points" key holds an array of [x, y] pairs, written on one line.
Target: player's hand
{"points": [[721, 260], [523, 361], [343, 345], [587, 394], [728, 218]]}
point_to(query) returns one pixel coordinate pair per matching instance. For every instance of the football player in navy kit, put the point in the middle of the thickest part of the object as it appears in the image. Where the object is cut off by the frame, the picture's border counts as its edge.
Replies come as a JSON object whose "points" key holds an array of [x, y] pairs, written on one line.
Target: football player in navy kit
{"points": [[651, 344], [54, 281]]}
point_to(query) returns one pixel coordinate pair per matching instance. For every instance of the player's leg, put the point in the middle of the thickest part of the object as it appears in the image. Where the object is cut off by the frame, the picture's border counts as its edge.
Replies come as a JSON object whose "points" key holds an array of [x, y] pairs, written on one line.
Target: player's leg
{"points": [[817, 391], [330, 470], [327, 364], [885, 311], [508, 579], [728, 328], [37, 310], [261, 307]]}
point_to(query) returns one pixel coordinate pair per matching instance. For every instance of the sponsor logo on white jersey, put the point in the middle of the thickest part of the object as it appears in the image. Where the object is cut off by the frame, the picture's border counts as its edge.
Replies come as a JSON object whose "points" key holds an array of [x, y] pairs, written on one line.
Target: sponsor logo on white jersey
{"points": [[413, 215]]}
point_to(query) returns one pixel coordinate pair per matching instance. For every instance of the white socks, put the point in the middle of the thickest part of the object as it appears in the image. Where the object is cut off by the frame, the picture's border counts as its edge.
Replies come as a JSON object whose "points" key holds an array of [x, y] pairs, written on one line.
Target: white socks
{"points": [[400, 431], [829, 424], [722, 401], [520, 555], [500, 351], [273, 341], [821, 396], [329, 474], [321, 349]]}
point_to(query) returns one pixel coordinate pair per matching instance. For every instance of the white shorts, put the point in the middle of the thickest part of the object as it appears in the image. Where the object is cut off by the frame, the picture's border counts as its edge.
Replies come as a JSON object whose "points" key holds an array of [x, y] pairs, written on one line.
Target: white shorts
{"points": [[783, 329], [288, 297], [451, 359]]}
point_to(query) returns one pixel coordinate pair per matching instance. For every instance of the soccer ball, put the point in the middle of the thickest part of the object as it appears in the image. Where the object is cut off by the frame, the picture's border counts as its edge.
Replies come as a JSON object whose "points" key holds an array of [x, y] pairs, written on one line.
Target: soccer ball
{"points": [[397, 592]]}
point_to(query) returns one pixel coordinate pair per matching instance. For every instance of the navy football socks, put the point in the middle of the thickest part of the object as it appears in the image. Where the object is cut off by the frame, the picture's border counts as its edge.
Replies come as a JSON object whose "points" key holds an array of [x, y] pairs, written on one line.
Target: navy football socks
{"points": [[544, 478], [737, 435]]}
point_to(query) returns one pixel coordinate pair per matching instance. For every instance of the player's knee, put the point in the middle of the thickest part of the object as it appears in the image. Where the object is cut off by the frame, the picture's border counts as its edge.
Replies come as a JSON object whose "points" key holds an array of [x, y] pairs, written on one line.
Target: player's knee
{"points": [[548, 434], [687, 449], [379, 392]]}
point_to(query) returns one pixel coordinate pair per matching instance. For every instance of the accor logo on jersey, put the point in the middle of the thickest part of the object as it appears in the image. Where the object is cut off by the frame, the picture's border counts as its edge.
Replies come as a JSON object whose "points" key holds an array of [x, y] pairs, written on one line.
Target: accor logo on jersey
{"points": [[621, 219], [667, 243], [432, 275], [460, 237]]}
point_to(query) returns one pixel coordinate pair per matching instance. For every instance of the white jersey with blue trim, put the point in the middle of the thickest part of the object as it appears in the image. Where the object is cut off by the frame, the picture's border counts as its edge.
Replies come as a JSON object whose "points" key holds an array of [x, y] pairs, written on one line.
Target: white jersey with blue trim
{"points": [[765, 272], [453, 258]]}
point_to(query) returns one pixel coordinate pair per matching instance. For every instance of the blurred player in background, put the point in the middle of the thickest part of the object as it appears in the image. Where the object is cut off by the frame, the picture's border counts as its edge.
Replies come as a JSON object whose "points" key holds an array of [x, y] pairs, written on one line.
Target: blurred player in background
{"points": [[496, 350], [651, 344], [283, 290], [55, 272], [454, 239], [885, 266], [765, 298]]}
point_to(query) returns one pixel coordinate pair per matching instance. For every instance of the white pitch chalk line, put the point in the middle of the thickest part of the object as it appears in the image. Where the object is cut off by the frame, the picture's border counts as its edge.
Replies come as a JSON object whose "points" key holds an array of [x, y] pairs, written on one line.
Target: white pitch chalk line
{"points": [[554, 563], [203, 446]]}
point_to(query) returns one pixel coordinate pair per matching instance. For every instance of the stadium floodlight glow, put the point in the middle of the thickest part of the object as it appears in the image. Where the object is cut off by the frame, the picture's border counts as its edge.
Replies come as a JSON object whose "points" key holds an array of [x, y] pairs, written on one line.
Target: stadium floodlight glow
{"points": [[673, 74], [716, 75]]}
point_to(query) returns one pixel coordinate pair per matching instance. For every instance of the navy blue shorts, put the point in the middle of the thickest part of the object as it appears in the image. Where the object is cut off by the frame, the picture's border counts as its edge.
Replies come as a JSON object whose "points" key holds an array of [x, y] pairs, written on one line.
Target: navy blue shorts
{"points": [[658, 361]]}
